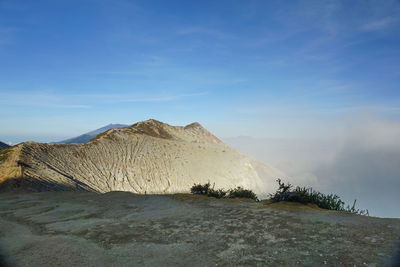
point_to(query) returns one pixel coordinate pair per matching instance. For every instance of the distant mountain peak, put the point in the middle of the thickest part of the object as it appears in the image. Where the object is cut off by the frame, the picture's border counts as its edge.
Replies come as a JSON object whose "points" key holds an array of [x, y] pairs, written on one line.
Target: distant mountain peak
{"points": [[86, 137], [114, 124], [4, 146]]}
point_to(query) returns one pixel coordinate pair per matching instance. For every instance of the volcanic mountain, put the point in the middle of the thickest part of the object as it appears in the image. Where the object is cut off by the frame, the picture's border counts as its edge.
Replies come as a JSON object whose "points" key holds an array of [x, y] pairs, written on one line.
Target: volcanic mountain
{"points": [[148, 157]]}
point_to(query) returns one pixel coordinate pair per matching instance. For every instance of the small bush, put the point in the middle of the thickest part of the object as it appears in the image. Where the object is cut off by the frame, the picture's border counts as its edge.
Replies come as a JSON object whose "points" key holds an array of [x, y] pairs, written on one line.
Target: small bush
{"points": [[200, 189], [305, 195], [238, 192], [217, 193]]}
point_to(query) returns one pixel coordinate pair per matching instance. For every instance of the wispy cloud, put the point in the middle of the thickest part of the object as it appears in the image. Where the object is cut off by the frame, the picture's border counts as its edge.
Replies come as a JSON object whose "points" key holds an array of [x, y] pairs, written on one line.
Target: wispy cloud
{"points": [[84, 101], [67, 106], [379, 24], [205, 31], [301, 111], [323, 30], [127, 98], [39, 99]]}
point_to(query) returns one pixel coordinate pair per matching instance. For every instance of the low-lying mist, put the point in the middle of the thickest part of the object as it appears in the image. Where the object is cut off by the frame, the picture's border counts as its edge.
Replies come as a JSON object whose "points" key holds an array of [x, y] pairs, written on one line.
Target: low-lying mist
{"points": [[359, 160]]}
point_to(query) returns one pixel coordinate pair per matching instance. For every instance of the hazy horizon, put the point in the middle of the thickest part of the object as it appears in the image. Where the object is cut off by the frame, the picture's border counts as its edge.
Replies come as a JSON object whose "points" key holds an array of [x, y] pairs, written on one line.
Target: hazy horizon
{"points": [[357, 161]]}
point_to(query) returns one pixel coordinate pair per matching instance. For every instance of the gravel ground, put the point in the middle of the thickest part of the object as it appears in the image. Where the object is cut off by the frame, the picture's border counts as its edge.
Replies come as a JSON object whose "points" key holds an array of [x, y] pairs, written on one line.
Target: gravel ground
{"points": [[123, 229]]}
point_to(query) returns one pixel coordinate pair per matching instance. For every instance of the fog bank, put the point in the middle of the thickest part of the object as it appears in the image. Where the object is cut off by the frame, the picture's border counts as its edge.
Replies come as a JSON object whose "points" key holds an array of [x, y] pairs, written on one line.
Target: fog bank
{"points": [[359, 160]]}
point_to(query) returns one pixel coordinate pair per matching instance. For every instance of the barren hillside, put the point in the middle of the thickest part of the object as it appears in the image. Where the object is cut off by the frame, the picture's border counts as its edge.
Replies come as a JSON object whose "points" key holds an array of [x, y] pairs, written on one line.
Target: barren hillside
{"points": [[147, 157]]}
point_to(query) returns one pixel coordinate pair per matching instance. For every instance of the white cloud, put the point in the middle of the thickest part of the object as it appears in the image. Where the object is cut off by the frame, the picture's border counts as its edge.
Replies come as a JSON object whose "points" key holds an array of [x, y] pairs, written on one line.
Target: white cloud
{"points": [[379, 24]]}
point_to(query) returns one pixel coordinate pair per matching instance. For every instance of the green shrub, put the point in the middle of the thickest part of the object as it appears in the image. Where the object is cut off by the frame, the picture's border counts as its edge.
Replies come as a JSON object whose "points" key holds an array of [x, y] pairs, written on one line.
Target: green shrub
{"points": [[200, 189], [217, 193], [305, 195], [238, 192]]}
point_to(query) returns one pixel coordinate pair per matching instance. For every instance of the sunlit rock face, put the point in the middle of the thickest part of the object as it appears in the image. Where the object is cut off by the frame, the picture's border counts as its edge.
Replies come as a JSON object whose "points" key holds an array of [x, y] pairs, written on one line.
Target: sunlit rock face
{"points": [[148, 157]]}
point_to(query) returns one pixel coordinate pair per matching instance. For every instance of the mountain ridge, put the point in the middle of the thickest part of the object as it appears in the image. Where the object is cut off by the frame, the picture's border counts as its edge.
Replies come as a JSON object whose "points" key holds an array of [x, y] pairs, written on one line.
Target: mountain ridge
{"points": [[146, 157]]}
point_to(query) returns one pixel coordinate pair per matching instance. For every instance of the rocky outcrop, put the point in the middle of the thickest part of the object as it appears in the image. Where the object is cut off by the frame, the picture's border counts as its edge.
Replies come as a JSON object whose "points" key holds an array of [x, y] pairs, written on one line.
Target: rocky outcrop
{"points": [[147, 157]]}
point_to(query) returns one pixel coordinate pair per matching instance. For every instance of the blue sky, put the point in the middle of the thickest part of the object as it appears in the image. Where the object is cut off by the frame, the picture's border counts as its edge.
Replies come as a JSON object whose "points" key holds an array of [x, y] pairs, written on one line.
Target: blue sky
{"points": [[258, 68]]}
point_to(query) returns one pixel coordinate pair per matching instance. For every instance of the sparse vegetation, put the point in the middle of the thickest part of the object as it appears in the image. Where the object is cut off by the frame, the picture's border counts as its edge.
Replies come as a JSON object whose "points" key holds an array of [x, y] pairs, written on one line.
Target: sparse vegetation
{"points": [[305, 195], [238, 192]]}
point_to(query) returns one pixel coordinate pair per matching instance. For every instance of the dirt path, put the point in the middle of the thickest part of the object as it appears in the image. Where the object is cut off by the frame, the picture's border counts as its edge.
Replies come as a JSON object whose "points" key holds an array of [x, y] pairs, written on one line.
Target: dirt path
{"points": [[122, 229]]}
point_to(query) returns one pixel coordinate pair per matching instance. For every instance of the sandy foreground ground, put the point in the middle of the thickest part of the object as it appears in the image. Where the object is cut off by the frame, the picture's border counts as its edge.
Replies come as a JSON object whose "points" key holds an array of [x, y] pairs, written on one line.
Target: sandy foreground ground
{"points": [[123, 229]]}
